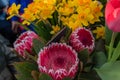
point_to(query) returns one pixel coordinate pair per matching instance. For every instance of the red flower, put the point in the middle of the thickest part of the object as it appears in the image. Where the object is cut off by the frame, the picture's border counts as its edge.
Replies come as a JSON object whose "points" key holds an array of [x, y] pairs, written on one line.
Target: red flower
{"points": [[112, 15], [58, 60], [24, 42], [81, 39]]}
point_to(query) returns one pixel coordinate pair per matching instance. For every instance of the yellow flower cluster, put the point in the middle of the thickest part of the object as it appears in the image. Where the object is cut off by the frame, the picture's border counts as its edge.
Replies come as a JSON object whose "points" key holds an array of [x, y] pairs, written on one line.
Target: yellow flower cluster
{"points": [[78, 13], [39, 10], [73, 13], [100, 32]]}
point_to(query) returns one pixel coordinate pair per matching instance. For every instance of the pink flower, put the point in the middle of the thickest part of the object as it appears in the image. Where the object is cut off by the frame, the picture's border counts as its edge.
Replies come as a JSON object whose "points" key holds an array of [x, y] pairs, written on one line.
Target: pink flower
{"points": [[112, 15], [24, 42], [81, 39], [58, 60]]}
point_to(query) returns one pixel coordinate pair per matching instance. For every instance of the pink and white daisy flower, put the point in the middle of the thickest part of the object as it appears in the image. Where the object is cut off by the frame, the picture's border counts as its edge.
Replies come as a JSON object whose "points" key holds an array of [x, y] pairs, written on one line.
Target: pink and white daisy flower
{"points": [[58, 60]]}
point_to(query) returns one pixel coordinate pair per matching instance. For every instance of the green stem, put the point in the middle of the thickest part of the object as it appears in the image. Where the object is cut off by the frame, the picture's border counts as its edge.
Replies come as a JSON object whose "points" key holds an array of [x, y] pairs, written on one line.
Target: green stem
{"points": [[30, 56], [25, 27], [111, 45], [59, 16]]}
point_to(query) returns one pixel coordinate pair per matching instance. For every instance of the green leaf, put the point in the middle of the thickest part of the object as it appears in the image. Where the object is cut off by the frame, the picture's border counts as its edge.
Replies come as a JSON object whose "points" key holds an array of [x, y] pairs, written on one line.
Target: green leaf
{"points": [[43, 30], [67, 78], [23, 78], [35, 75], [103, 2], [67, 34], [108, 35], [37, 45], [55, 17], [83, 56], [92, 75], [24, 70], [99, 59], [100, 45], [116, 53], [54, 20], [117, 39], [110, 71], [44, 77]]}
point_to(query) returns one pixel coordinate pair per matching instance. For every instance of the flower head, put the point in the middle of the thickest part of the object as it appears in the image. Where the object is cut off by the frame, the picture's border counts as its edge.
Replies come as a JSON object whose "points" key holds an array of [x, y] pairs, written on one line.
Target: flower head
{"points": [[112, 15], [58, 60], [24, 43], [81, 39], [100, 32], [65, 9], [55, 29], [13, 10]]}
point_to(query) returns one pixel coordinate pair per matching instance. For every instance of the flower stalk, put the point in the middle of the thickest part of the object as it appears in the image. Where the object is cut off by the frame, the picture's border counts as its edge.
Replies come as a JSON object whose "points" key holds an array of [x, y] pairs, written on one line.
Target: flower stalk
{"points": [[111, 46]]}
